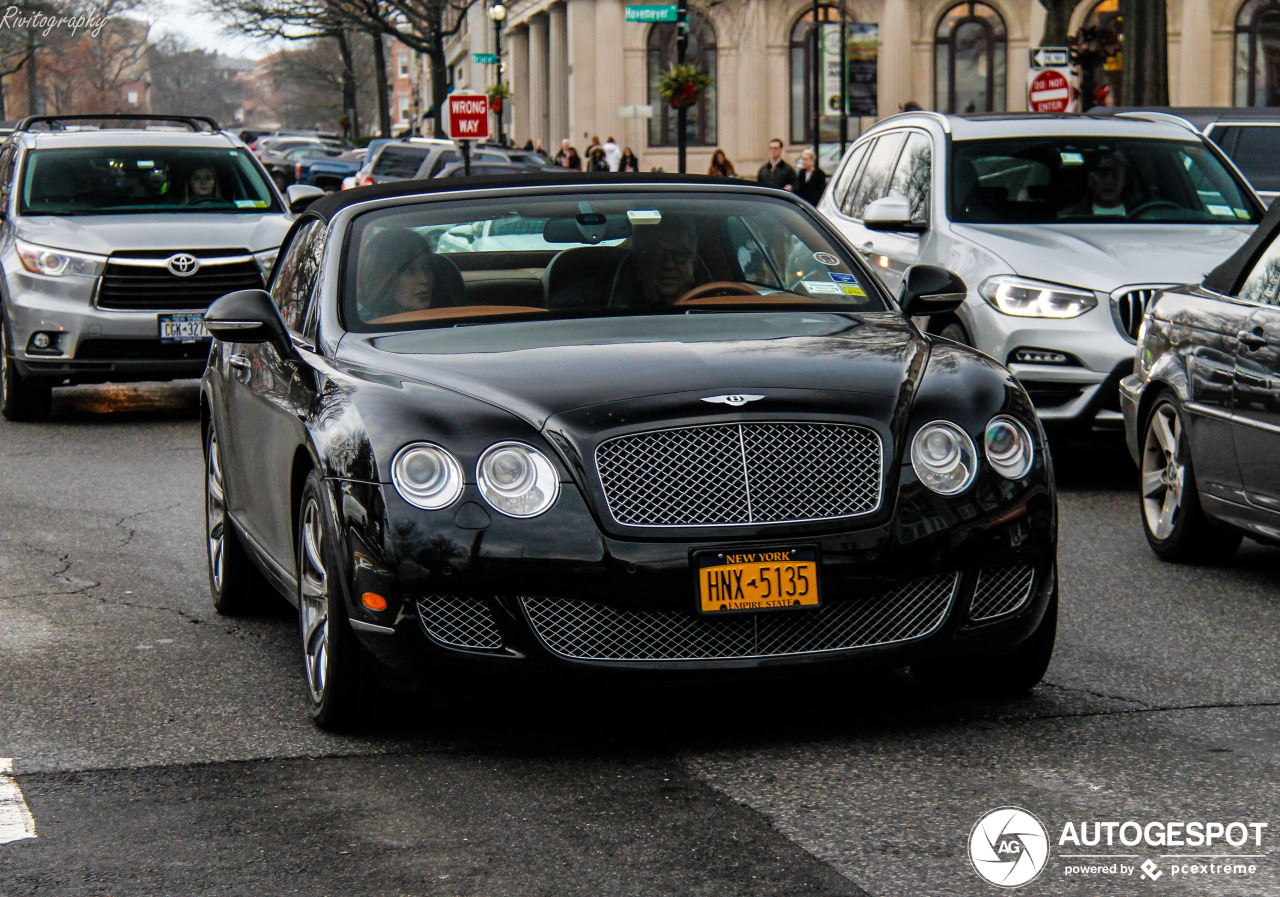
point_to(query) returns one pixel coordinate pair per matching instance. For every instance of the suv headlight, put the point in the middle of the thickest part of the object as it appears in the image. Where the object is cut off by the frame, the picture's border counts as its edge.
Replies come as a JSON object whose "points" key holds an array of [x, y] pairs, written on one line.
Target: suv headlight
{"points": [[265, 260], [1008, 446], [943, 457], [1029, 298], [57, 262], [426, 476], [517, 479]]}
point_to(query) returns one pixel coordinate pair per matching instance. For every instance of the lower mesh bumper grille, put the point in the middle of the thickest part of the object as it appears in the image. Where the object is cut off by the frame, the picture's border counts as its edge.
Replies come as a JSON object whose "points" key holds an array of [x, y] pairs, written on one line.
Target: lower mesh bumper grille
{"points": [[459, 622], [1001, 590], [583, 630]]}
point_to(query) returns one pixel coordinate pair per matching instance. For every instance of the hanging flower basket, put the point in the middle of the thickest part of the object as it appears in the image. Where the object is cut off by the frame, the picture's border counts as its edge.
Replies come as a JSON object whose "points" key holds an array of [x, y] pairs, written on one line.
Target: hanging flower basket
{"points": [[682, 84], [497, 93]]}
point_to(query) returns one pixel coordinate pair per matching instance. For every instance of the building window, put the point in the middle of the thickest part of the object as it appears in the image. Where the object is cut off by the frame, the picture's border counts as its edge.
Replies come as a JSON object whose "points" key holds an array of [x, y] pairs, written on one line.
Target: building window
{"points": [[969, 60], [802, 44], [133, 98], [404, 108], [1258, 54], [701, 130], [404, 64]]}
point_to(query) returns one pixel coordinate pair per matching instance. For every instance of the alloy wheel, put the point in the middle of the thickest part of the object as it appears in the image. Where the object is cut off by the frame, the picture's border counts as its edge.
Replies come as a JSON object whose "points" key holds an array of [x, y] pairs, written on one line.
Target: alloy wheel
{"points": [[313, 603], [215, 512], [1164, 472]]}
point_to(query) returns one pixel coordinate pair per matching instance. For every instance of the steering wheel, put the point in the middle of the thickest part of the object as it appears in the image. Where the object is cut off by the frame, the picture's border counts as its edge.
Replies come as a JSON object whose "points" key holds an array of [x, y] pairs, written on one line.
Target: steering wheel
{"points": [[1152, 204], [727, 287]]}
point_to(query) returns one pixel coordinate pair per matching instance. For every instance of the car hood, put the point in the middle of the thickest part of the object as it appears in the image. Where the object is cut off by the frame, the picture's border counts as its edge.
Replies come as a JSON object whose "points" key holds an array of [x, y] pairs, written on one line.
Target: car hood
{"points": [[104, 234], [538, 369], [1103, 257]]}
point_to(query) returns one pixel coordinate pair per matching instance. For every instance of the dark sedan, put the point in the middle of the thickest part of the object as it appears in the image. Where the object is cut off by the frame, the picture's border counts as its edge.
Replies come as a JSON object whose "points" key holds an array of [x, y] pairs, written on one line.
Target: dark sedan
{"points": [[1202, 408], [628, 423]]}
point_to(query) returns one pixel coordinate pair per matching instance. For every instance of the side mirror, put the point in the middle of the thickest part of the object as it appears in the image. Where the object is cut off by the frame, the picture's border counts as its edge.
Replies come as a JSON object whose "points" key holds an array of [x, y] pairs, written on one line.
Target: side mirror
{"points": [[930, 290], [248, 316], [464, 232], [302, 195], [892, 213]]}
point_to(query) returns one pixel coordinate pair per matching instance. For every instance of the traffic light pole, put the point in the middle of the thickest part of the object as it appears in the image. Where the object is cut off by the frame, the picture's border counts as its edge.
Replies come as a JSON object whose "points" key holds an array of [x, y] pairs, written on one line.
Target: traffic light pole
{"points": [[682, 45]]}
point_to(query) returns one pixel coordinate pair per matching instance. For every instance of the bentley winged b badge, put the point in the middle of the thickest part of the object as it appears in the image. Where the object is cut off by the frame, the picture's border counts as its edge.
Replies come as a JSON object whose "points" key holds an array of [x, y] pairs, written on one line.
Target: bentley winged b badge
{"points": [[733, 401]]}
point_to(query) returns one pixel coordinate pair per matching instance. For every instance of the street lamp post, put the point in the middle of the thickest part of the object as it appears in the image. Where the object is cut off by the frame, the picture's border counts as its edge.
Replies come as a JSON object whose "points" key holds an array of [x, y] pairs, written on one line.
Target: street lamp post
{"points": [[498, 12]]}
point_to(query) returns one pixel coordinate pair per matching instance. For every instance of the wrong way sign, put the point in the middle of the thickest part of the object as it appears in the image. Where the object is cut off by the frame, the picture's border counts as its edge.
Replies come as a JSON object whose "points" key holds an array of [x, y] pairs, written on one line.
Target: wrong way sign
{"points": [[467, 116], [1049, 91]]}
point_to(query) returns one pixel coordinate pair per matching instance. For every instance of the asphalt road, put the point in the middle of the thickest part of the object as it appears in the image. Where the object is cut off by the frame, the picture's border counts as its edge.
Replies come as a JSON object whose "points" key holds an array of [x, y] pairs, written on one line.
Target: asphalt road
{"points": [[164, 750]]}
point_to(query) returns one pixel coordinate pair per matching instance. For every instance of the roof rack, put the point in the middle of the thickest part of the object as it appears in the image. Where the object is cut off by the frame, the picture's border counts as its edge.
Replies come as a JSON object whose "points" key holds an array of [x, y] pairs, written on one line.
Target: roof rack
{"points": [[194, 122], [1168, 117]]}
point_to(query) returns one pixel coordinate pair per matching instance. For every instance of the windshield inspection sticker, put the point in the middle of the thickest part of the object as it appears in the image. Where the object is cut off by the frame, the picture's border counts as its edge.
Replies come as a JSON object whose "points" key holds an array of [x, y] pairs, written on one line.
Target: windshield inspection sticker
{"points": [[826, 258], [843, 278], [852, 289], [821, 286]]}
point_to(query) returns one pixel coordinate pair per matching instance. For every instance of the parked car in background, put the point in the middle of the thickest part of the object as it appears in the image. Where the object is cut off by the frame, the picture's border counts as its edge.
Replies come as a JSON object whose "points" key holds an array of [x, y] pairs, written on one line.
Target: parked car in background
{"points": [[328, 174], [490, 168], [1202, 407], [422, 157], [115, 241], [283, 167], [793, 476], [1063, 227], [1249, 135]]}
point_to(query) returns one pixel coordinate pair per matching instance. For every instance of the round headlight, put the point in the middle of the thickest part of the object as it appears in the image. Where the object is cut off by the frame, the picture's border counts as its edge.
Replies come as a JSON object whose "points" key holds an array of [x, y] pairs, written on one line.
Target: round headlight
{"points": [[944, 458], [517, 479], [426, 476], [1009, 447]]}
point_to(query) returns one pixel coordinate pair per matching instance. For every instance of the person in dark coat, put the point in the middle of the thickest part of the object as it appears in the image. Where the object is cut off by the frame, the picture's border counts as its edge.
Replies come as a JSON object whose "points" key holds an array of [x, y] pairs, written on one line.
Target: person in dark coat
{"points": [[630, 162], [810, 179], [776, 172]]}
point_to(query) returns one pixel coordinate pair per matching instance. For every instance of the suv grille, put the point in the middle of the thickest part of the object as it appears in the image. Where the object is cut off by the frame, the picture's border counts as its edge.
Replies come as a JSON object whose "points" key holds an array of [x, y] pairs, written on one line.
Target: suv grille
{"points": [[1129, 305], [583, 630], [733, 474], [134, 282]]}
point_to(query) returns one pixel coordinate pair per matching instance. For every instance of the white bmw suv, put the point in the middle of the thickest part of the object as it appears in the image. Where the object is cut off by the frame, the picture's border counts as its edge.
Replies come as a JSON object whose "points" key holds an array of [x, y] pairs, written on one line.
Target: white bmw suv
{"points": [[1062, 226]]}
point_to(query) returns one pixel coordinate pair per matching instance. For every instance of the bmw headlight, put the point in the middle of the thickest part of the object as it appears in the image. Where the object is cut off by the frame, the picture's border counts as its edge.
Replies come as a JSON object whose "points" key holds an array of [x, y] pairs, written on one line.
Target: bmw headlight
{"points": [[517, 479], [1008, 446], [265, 260], [1027, 298], [57, 262], [426, 476], [944, 458]]}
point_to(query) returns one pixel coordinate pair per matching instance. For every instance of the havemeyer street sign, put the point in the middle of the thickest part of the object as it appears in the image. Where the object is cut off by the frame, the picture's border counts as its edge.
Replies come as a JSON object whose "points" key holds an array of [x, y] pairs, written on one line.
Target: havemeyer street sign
{"points": [[663, 13], [485, 58], [468, 115]]}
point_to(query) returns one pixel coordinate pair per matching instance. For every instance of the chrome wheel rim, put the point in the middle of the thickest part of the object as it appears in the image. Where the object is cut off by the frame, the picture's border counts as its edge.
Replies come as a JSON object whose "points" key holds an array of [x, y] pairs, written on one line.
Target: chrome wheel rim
{"points": [[215, 513], [313, 600], [1164, 472]]}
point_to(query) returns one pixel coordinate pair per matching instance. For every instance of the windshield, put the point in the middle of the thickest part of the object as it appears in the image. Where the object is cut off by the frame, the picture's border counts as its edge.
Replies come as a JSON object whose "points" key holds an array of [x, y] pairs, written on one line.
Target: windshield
{"points": [[598, 254], [113, 180], [1097, 180]]}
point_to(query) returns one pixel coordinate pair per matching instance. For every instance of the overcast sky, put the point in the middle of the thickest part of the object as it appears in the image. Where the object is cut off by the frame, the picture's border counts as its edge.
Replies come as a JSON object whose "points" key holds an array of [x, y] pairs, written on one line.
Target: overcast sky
{"points": [[180, 17]]}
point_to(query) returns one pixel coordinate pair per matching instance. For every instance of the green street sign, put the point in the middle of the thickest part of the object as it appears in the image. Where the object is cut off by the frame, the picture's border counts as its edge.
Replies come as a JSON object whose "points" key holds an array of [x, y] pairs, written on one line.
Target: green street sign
{"points": [[485, 58], [664, 13]]}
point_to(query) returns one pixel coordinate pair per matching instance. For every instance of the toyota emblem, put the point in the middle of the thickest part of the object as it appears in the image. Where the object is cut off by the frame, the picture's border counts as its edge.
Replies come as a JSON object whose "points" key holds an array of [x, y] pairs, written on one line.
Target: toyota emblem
{"points": [[184, 264]]}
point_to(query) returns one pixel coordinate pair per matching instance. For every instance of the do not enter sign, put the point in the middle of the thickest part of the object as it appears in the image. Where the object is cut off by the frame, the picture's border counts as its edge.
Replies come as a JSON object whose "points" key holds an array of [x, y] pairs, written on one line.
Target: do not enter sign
{"points": [[1050, 92], [468, 116]]}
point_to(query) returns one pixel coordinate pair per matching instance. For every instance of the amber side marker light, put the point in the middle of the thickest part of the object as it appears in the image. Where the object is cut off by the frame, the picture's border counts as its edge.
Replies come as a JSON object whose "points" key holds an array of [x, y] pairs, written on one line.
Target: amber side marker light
{"points": [[373, 601]]}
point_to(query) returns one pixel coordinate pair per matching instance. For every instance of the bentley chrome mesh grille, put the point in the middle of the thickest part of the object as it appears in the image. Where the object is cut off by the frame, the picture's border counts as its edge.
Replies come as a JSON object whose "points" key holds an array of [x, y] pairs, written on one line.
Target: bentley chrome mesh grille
{"points": [[459, 622], [732, 474], [1001, 590], [583, 630]]}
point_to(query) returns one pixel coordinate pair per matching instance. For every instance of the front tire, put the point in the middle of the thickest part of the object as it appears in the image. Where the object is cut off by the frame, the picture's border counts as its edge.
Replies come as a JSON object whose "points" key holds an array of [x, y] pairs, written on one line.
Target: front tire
{"points": [[954, 331], [236, 587], [1173, 520], [340, 686], [21, 398]]}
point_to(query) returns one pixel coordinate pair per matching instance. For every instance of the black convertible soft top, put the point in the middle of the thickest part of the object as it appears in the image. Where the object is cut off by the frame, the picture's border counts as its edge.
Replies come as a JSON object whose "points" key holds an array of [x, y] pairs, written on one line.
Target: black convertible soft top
{"points": [[1226, 277], [328, 206]]}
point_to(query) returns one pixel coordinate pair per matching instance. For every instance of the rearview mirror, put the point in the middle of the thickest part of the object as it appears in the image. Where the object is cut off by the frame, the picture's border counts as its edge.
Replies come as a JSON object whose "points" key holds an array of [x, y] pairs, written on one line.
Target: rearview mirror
{"points": [[248, 316], [302, 195], [892, 213], [930, 290]]}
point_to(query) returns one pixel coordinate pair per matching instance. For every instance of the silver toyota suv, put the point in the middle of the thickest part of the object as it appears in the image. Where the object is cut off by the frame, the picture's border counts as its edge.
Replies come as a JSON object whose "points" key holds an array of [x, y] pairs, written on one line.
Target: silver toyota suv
{"points": [[1063, 227], [114, 240]]}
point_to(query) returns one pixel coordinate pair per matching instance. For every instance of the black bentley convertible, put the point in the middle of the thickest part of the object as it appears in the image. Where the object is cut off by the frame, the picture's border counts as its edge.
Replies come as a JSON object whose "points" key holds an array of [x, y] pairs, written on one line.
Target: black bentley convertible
{"points": [[653, 423]]}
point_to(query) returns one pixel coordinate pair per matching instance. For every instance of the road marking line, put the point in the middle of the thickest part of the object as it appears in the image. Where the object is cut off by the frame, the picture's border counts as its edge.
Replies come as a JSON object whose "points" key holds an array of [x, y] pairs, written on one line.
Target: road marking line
{"points": [[16, 821]]}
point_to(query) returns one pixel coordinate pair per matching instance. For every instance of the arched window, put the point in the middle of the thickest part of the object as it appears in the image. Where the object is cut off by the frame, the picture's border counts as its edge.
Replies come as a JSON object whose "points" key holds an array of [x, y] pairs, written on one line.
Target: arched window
{"points": [[802, 44], [969, 60], [661, 57], [1258, 54]]}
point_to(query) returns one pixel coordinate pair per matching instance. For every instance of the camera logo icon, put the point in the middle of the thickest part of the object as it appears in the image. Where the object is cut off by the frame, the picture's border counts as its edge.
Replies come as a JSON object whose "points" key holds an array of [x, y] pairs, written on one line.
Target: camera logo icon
{"points": [[1009, 847]]}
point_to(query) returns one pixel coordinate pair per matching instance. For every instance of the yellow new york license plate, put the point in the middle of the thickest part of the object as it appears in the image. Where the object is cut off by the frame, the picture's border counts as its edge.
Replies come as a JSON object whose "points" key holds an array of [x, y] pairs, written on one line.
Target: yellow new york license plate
{"points": [[756, 580]]}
